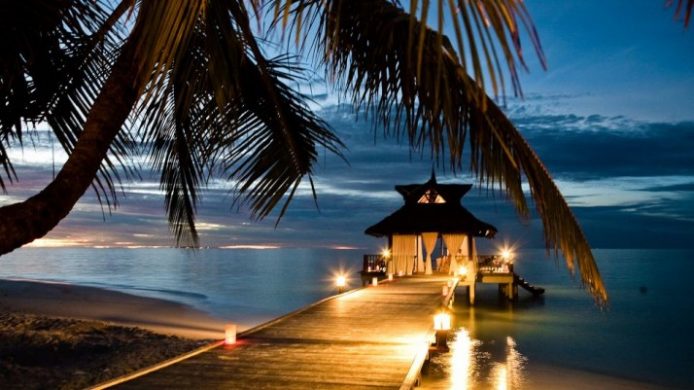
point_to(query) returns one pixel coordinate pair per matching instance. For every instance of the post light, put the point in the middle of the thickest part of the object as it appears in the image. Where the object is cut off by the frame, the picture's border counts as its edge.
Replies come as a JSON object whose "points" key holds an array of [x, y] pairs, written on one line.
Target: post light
{"points": [[374, 281], [462, 271], [442, 326], [507, 255], [230, 334], [340, 283], [442, 321], [390, 277], [385, 253]]}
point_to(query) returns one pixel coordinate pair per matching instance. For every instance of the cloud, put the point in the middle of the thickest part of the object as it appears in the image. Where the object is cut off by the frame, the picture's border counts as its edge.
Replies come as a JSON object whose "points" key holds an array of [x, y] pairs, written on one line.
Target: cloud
{"points": [[629, 182], [597, 146]]}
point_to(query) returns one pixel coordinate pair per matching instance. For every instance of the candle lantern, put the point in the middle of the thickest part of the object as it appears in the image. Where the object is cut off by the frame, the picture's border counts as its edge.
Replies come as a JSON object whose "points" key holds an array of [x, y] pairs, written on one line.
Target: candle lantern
{"points": [[442, 327], [230, 334]]}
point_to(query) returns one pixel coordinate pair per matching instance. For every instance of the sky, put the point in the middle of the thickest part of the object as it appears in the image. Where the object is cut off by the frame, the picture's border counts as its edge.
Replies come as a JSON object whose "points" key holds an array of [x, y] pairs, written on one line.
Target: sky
{"points": [[612, 118]]}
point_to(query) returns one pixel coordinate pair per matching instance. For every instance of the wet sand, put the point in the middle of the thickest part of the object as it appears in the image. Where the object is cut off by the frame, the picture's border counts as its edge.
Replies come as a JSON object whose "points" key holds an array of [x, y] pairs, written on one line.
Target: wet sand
{"points": [[41, 352], [55, 335], [90, 303]]}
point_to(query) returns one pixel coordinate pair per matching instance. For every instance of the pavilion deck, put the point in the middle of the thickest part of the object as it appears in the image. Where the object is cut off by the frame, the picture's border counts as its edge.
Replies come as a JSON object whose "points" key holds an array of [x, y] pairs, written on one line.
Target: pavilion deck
{"points": [[485, 269], [374, 337]]}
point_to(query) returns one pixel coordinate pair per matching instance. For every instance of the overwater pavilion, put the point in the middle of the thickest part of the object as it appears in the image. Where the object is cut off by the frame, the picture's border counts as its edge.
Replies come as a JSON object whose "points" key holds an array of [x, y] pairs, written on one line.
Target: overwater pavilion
{"points": [[431, 211]]}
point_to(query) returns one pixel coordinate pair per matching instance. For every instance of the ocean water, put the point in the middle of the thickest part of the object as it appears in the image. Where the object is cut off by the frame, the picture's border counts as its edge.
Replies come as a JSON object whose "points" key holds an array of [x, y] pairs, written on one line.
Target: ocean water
{"points": [[644, 334]]}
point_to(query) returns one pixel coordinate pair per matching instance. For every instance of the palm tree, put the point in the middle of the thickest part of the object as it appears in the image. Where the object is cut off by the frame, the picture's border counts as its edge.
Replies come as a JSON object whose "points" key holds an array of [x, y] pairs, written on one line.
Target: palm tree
{"points": [[189, 80]]}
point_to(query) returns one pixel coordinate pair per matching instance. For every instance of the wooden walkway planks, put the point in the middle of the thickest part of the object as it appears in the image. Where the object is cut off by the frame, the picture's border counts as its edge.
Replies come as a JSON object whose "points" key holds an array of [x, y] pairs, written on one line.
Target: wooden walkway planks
{"points": [[367, 339]]}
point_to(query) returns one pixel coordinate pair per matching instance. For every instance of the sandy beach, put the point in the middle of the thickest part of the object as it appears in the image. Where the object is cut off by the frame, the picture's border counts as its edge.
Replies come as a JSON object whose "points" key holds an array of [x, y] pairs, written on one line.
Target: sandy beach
{"points": [[90, 303], [55, 335]]}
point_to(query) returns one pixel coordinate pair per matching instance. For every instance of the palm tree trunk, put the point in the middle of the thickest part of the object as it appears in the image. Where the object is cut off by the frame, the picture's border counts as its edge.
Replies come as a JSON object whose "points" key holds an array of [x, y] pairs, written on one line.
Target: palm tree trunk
{"points": [[22, 223]]}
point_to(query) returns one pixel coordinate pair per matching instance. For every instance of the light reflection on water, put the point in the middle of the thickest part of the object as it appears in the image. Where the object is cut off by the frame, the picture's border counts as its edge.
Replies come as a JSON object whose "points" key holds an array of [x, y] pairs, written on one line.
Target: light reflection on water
{"points": [[473, 364], [462, 350]]}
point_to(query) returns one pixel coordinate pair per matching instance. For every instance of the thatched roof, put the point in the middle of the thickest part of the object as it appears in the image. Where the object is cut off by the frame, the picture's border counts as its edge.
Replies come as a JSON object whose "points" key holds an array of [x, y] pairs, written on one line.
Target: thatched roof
{"points": [[432, 207]]}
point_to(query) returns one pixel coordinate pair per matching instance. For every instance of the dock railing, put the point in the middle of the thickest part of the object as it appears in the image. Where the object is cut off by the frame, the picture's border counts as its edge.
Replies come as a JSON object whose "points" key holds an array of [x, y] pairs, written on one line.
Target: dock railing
{"points": [[374, 263], [493, 264]]}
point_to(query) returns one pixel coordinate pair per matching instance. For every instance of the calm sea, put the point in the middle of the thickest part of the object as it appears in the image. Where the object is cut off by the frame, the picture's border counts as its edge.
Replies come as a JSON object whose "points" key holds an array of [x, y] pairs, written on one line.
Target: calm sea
{"points": [[645, 334]]}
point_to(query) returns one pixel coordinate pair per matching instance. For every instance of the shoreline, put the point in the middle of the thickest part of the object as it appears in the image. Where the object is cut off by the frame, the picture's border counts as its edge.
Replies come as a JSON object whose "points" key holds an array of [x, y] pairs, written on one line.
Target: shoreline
{"points": [[74, 301]]}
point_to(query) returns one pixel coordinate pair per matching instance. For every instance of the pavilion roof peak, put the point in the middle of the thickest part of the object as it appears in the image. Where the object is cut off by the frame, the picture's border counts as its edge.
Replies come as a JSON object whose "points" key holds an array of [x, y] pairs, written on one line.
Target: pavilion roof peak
{"points": [[433, 192]]}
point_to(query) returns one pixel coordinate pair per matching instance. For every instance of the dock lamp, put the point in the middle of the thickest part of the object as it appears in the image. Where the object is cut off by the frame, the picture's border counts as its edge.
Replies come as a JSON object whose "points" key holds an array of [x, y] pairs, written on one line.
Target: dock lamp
{"points": [[507, 255], [340, 283], [442, 327], [230, 334], [462, 272]]}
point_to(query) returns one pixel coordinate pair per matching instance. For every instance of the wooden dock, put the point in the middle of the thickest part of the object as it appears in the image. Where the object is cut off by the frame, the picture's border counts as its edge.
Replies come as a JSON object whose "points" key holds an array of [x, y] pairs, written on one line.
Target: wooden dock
{"points": [[374, 337]]}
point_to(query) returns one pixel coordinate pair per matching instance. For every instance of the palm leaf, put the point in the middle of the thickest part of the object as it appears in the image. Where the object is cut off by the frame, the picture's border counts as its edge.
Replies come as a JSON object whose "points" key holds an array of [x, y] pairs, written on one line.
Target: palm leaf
{"points": [[483, 28], [52, 73], [221, 106], [683, 9]]}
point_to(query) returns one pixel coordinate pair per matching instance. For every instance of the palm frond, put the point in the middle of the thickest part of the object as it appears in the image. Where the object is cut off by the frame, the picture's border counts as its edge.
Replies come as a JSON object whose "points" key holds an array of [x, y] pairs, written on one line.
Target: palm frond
{"points": [[166, 28], [437, 104], [177, 158], [52, 73], [485, 30], [683, 9], [282, 150], [226, 108], [271, 154], [502, 157]]}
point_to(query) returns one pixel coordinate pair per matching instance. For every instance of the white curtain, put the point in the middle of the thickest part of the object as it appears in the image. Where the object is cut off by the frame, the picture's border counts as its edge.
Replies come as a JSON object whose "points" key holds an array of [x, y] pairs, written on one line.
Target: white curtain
{"points": [[466, 257], [453, 243], [464, 249], [429, 241], [404, 251], [421, 255], [473, 255]]}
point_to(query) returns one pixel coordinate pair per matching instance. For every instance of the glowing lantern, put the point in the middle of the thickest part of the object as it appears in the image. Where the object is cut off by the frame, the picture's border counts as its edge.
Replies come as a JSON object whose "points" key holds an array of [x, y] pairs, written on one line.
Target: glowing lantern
{"points": [[442, 322], [340, 283], [390, 277], [230, 334], [462, 271], [385, 253], [507, 255], [374, 281], [442, 326]]}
